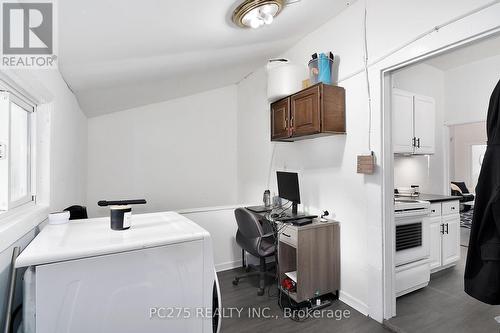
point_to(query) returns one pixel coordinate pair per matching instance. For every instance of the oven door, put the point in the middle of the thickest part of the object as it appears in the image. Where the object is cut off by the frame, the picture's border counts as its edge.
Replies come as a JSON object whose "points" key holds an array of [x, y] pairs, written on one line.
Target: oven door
{"points": [[412, 239]]}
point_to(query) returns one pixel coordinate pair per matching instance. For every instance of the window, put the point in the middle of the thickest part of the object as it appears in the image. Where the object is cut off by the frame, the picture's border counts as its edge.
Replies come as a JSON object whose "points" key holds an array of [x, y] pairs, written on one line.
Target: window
{"points": [[15, 151]]}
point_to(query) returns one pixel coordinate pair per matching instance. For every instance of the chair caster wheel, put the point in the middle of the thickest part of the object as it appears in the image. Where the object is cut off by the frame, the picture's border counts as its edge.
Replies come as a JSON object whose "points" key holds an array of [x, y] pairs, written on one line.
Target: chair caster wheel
{"points": [[260, 292], [235, 281]]}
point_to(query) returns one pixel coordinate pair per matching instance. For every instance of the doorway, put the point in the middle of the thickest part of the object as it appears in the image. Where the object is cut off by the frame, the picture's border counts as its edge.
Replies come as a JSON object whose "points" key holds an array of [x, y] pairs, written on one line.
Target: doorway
{"points": [[459, 83]]}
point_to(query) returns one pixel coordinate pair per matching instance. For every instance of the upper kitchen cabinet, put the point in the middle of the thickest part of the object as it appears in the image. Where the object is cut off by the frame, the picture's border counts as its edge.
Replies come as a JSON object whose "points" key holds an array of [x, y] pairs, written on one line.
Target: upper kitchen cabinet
{"points": [[413, 123], [280, 115], [315, 111], [425, 121]]}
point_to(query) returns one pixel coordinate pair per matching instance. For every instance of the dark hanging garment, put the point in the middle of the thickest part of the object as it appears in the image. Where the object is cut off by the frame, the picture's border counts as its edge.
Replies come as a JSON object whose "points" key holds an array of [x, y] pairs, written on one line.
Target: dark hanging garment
{"points": [[482, 270]]}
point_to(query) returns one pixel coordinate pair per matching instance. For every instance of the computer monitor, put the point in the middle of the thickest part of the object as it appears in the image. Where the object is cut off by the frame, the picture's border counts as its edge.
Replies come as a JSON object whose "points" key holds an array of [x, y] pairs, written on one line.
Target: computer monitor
{"points": [[288, 188]]}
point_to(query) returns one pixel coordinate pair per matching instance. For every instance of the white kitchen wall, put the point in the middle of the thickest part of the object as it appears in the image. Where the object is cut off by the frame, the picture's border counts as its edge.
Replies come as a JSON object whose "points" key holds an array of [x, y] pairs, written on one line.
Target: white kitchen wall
{"points": [[468, 89], [328, 165], [176, 154], [427, 171]]}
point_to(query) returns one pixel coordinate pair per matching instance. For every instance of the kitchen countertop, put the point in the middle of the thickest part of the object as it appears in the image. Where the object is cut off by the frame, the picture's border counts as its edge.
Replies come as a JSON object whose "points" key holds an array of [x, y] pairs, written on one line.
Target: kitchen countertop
{"points": [[433, 197]]}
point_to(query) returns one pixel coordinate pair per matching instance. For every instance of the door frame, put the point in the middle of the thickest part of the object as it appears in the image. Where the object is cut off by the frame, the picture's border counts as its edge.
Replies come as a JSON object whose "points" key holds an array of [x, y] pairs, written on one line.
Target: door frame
{"points": [[466, 29]]}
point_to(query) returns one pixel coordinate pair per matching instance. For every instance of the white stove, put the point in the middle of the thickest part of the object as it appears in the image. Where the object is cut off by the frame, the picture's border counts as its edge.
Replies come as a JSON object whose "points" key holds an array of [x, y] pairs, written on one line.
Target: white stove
{"points": [[412, 250], [406, 206]]}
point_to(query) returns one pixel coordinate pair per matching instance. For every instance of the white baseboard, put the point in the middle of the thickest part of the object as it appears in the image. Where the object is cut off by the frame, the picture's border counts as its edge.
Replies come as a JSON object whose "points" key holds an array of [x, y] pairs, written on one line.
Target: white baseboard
{"points": [[353, 302], [227, 265]]}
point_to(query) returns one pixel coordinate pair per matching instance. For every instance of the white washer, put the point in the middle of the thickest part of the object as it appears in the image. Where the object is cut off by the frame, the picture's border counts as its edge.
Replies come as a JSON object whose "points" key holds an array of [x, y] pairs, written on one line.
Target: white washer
{"points": [[152, 277]]}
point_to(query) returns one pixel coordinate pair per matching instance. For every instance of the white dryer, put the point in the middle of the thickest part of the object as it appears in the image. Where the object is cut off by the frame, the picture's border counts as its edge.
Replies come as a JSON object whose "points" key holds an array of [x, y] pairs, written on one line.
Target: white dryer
{"points": [[157, 276]]}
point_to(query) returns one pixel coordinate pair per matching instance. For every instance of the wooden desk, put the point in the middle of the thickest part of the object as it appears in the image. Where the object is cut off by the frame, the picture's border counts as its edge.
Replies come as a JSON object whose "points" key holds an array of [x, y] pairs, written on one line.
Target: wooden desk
{"points": [[313, 251]]}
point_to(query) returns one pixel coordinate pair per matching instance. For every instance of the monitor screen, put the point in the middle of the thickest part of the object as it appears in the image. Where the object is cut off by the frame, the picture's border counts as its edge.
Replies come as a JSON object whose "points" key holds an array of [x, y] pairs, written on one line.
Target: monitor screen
{"points": [[288, 186]]}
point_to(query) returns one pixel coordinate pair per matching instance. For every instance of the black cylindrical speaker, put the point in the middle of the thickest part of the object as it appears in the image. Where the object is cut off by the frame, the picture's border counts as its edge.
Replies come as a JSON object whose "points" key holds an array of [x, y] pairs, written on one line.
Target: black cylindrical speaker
{"points": [[120, 217]]}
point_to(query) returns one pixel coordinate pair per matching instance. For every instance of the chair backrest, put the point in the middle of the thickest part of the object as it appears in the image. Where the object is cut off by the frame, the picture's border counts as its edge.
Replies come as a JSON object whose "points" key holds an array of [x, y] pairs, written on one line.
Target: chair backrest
{"points": [[461, 185], [248, 224], [77, 212]]}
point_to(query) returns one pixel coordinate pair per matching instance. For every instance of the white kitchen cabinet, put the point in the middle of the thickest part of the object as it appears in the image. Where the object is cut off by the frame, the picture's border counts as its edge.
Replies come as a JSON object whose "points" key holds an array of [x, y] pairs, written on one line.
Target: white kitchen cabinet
{"points": [[402, 120], [445, 235], [451, 239], [425, 124], [435, 242], [413, 123]]}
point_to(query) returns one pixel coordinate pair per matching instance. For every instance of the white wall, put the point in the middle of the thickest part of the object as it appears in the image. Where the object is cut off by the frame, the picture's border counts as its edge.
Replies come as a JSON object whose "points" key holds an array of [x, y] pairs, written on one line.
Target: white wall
{"points": [[468, 89], [176, 154], [328, 165], [68, 145], [221, 224], [427, 171], [463, 137]]}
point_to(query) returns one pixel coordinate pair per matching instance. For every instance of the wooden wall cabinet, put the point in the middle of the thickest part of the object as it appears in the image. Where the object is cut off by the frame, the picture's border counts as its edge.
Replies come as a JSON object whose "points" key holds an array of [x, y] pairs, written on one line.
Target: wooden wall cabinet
{"points": [[315, 111]]}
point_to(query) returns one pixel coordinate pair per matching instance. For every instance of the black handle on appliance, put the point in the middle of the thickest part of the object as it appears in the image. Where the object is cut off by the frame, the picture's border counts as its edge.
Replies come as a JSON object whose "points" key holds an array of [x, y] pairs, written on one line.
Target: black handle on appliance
{"points": [[442, 229], [447, 228], [418, 143], [414, 142], [104, 203]]}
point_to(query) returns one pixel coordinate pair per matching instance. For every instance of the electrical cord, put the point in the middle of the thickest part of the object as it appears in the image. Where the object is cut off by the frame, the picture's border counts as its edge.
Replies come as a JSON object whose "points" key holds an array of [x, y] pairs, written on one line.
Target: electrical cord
{"points": [[365, 44]]}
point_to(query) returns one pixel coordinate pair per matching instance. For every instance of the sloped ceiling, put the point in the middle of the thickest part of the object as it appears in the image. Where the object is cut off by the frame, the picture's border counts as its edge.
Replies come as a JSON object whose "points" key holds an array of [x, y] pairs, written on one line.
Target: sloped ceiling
{"points": [[117, 55]]}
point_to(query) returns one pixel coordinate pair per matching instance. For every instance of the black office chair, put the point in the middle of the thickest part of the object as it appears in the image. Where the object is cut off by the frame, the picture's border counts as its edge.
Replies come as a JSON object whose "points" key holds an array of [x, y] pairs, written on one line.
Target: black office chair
{"points": [[461, 190], [251, 238], [77, 212]]}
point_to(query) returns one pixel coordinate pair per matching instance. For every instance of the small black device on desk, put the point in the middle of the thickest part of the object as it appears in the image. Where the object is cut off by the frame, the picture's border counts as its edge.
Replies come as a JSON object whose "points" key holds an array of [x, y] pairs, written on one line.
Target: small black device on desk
{"points": [[259, 209]]}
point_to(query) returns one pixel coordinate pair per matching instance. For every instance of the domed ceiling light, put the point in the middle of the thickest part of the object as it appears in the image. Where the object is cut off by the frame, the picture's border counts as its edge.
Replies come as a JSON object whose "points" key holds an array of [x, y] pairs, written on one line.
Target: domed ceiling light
{"points": [[256, 13]]}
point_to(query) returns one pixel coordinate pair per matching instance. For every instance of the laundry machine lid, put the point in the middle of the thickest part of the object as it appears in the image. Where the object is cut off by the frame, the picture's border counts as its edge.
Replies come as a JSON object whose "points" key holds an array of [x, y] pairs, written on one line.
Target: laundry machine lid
{"points": [[94, 237]]}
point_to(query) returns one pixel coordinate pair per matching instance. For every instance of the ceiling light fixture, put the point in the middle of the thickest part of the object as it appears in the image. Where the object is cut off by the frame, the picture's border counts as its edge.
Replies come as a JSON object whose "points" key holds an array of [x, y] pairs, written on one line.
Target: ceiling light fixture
{"points": [[256, 13]]}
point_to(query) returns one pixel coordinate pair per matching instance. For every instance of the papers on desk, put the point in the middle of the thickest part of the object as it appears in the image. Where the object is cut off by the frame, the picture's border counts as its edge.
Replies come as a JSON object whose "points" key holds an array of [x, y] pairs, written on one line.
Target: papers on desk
{"points": [[292, 275]]}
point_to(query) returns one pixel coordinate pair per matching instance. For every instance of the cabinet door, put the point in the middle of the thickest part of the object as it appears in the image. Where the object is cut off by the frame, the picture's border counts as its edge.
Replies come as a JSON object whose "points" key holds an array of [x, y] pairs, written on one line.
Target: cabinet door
{"points": [[305, 112], [425, 124], [280, 115], [451, 239], [435, 242], [402, 121]]}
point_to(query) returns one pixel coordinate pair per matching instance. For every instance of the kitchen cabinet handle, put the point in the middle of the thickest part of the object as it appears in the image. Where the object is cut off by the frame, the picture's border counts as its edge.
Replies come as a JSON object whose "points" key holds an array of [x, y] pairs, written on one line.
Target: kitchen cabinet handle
{"points": [[414, 142], [285, 235], [442, 229], [418, 143], [447, 228]]}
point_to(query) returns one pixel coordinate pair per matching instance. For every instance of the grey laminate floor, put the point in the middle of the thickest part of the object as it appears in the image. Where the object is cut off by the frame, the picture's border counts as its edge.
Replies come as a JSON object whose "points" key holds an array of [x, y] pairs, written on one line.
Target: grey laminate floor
{"points": [[444, 307], [245, 296]]}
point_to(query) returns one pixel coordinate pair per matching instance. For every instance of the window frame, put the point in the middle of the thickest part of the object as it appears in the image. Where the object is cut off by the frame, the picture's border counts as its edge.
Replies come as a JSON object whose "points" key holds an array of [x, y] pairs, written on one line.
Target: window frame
{"points": [[7, 98]]}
